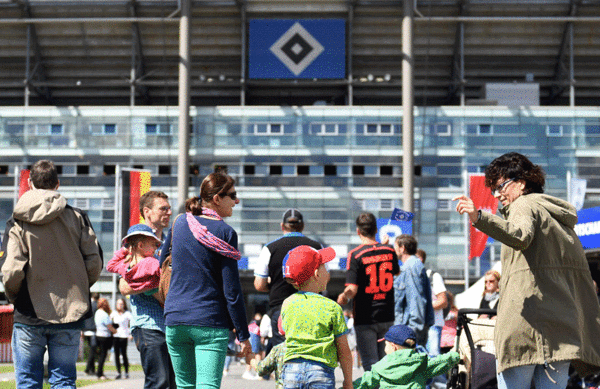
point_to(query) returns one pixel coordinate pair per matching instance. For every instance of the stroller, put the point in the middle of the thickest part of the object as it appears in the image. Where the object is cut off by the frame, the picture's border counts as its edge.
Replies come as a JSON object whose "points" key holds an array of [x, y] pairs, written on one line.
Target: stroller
{"points": [[477, 369]]}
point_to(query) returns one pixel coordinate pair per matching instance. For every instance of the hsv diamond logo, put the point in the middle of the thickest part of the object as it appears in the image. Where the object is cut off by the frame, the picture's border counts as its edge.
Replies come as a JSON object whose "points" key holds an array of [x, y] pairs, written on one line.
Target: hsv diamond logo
{"points": [[306, 48], [297, 48]]}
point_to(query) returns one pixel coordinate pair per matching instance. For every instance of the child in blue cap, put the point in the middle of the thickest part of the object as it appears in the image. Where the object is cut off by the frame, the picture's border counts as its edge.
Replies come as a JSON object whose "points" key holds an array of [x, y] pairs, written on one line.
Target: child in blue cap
{"points": [[135, 261], [403, 366]]}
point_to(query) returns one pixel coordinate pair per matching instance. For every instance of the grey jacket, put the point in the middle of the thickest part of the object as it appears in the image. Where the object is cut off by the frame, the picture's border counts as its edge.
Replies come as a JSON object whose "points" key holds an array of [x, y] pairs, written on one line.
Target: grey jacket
{"points": [[51, 259], [548, 310]]}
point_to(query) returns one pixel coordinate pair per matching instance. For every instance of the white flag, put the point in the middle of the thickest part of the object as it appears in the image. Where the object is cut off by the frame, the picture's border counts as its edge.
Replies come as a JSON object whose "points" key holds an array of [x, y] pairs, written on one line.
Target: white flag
{"points": [[577, 192]]}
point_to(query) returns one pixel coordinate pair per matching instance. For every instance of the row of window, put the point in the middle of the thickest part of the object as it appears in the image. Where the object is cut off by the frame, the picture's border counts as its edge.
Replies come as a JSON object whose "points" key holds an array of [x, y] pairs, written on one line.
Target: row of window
{"points": [[381, 129]]}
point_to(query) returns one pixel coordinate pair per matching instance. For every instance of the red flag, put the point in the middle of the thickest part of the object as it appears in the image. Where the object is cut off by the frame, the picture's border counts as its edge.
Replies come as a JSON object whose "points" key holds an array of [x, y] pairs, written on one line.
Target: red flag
{"points": [[23, 182], [483, 199]]}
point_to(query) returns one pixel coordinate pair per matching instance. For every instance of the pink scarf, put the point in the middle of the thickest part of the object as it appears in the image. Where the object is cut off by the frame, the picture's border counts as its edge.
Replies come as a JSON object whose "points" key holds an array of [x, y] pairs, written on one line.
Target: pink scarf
{"points": [[209, 240]]}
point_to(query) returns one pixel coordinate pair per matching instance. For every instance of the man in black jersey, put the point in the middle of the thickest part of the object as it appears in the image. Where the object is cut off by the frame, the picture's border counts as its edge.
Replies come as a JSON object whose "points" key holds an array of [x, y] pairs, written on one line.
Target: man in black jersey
{"points": [[268, 276], [371, 268]]}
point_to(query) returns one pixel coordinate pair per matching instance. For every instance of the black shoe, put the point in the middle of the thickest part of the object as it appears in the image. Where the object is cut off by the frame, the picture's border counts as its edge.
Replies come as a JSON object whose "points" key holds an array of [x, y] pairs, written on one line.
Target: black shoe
{"points": [[118, 377]]}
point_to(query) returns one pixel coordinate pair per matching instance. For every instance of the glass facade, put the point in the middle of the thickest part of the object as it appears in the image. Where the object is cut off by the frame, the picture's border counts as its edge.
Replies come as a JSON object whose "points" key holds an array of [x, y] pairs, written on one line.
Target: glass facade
{"points": [[330, 162]]}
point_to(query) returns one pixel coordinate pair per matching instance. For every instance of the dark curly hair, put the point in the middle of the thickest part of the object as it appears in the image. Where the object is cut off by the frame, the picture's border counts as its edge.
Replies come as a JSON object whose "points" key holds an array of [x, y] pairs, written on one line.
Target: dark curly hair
{"points": [[519, 167]]}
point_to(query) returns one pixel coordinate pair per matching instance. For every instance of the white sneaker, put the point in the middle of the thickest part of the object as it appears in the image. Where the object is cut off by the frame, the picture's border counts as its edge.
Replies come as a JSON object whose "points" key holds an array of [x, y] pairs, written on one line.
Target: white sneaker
{"points": [[248, 375]]}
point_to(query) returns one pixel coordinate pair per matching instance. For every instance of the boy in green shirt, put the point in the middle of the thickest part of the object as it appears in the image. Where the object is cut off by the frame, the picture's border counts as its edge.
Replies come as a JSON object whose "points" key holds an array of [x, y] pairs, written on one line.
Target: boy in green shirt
{"points": [[314, 325], [403, 367]]}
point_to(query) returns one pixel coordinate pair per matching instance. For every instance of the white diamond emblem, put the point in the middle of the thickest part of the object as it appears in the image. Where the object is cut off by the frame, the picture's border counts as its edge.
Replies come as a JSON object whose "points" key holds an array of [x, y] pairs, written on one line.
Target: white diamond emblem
{"points": [[297, 49]]}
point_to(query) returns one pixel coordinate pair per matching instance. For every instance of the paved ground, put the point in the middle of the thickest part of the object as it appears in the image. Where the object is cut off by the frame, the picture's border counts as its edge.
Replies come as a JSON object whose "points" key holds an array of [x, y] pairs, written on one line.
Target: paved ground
{"points": [[233, 380]]}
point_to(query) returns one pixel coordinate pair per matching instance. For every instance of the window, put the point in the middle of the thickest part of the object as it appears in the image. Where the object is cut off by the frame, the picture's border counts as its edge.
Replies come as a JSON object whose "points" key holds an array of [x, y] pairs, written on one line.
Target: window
{"points": [[289, 170], [379, 129], [275, 170], [325, 128], [249, 170], [268, 129], [109, 129], [386, 170], [442, 129], [3, 170], [303, 170], [358, 170], [371, 170], [480, 129], [151, 129], [109, 170], [83, 170], [330, 170], [554, 130], [485, 129], [56, 129]]}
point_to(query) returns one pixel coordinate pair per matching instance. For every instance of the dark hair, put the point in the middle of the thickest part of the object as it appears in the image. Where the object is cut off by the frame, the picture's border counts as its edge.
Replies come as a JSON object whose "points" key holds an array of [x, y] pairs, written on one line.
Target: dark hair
{"points": [[193, 205], [147, 199], [294, 227], [517, 166], [408, 242], [215, 184], [366, 224], [44, 175], [422, 254]]}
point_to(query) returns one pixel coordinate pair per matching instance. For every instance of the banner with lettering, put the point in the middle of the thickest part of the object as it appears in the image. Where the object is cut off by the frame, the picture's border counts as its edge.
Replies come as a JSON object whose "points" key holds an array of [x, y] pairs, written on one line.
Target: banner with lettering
{"points": [[483, 199]]}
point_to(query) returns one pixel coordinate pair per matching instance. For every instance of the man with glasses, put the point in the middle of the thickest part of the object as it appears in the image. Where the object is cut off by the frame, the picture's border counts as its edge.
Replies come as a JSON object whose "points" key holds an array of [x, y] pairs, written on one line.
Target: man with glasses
{"points": [[148, 324]]}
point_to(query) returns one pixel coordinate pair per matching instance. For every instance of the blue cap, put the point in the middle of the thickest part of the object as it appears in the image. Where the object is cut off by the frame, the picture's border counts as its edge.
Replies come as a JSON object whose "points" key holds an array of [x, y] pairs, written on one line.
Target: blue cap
{"points": [[398, 334], [140, 229]]}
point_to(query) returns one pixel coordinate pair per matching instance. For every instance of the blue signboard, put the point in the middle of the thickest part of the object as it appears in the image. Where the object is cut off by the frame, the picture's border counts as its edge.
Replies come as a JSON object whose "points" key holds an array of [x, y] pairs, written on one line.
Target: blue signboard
{"points": [[392, 228], [297, 48], [588, 227]]}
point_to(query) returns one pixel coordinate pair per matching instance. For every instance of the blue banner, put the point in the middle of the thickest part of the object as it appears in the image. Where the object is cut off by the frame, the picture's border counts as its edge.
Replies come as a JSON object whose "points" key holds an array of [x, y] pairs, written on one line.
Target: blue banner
{"points": [[588, 228], [297, 48], [392, 228]]}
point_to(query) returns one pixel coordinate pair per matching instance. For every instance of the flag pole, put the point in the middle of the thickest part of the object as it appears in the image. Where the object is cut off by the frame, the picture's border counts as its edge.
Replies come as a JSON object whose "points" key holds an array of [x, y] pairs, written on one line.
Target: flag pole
{"points": [[467, 227], [117, 231]]}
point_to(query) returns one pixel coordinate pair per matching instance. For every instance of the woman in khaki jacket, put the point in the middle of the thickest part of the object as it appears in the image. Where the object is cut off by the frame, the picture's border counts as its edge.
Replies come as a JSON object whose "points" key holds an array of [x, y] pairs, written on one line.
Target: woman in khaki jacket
{"points": [[548, 315]]}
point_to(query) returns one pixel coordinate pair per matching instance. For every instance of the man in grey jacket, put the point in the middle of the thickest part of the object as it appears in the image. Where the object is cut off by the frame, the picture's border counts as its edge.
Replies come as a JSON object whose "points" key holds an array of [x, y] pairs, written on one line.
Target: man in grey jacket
{"points": [[50, 258]]}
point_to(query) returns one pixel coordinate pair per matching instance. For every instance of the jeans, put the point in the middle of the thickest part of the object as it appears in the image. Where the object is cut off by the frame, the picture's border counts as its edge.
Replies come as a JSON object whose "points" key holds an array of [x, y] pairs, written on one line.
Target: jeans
{"points": [[434, 339], [367, 335], [305, 374], [90, 368], [105, 344], [29, 344], [521, 376], [277, 337], [121, 349], [156, 363], [198, 355]]}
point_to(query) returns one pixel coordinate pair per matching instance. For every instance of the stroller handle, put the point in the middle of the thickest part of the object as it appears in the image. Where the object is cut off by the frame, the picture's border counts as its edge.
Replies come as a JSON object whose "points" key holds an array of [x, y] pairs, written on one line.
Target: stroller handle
{"points": [[478, 311]]}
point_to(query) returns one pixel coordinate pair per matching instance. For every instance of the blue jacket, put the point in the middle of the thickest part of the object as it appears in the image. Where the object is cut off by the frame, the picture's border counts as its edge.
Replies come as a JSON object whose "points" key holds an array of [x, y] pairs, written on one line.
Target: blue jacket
{"points": [[412, 297], [205, 286]]}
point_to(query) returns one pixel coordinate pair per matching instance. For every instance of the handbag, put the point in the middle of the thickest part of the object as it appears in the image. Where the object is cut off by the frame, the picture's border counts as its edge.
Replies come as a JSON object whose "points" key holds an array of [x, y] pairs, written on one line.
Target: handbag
{"points": [[165, 271]]}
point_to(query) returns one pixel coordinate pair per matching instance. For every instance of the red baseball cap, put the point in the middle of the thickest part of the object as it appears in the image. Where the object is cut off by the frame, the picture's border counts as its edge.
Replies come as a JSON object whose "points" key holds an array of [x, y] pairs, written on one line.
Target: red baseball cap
{"points": [[300, 263]]}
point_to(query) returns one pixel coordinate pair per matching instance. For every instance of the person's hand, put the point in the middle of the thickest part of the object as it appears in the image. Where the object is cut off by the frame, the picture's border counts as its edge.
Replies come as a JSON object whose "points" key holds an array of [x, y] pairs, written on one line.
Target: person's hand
{"points": [[385, 239], [246, 349], [342, 299], [466, 205]]}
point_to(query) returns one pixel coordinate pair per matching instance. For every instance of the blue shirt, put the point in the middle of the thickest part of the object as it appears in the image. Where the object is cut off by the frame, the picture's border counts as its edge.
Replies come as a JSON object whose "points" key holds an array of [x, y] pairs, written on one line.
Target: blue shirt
{"points": [[146, 311], [412, 297], [205, 287]]}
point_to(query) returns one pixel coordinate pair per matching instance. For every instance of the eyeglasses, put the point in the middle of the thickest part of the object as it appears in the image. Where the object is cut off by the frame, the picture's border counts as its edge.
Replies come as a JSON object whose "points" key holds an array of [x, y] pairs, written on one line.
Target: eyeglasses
{"points": [[232, 195], [490, 281], [500, 187], [164, 208]]}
